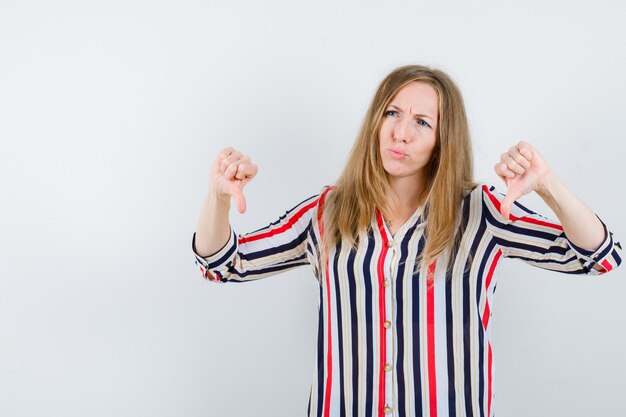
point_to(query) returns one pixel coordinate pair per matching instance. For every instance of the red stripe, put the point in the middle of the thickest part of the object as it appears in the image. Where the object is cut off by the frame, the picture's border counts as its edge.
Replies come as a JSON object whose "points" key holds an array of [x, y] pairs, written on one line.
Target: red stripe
{"points": [[489, 379], [526, 219], [492, 268], [430, 323], [606, 265], [282, 228], [383, 315], [329, 355], [486, 315]]}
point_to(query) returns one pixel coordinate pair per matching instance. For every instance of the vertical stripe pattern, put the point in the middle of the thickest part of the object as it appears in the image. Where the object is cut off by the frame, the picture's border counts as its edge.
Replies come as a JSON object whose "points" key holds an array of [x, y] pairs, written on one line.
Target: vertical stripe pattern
{"points": [[395, 339]]}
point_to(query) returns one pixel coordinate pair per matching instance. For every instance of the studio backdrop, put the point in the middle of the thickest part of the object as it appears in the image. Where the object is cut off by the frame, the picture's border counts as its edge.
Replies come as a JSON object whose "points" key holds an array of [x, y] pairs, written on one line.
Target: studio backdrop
{"points": [[111, 113]]}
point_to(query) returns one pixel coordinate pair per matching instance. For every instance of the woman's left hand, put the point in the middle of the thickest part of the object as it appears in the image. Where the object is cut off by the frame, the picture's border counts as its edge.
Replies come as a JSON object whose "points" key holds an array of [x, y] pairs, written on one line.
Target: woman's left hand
{"points": [[523, 170]]}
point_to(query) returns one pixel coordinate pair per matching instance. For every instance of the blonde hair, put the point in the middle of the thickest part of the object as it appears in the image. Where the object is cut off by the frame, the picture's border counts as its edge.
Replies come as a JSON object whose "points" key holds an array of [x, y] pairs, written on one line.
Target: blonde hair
{"points": [[364, 187]]}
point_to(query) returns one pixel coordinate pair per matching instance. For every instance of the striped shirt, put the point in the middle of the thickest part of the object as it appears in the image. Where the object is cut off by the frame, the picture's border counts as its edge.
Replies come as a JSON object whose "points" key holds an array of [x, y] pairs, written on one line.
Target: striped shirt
{"points": [[393, 340]]}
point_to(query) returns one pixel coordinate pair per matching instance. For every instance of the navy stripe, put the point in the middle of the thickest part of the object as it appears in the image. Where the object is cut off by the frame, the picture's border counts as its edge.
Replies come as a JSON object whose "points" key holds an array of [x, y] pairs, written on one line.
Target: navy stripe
{"points": [[338, 296], [546, 261], [555, 250], [276, 250], [513, 231], [354, 328], [615, 256], [320, 353], [271, 269], [369, 337], [416, 323], [450, 348]]}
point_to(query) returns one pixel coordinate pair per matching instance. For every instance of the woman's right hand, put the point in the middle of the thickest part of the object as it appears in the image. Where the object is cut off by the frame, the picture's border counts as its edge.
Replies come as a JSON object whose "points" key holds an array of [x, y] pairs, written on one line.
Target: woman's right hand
{"points": [[230, 172]]}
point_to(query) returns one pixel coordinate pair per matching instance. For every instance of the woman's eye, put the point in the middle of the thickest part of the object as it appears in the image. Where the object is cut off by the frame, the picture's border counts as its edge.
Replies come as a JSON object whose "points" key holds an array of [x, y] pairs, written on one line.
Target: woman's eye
{"points": [[389, 113], [422, 122]]}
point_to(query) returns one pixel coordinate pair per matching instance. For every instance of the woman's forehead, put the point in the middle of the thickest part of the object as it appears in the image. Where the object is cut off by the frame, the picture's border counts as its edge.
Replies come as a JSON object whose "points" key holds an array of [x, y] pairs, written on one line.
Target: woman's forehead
{"points": [[417, 97]]}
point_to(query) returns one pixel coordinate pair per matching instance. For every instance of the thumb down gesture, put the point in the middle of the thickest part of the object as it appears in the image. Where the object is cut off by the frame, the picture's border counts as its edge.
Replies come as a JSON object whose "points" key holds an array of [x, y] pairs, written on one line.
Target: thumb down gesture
{"points": [[230, 172], [523, 170]]}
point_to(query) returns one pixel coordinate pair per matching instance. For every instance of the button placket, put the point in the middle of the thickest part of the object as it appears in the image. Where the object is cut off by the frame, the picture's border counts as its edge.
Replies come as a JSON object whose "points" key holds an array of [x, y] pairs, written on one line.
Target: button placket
{"points": [[388, 324]]}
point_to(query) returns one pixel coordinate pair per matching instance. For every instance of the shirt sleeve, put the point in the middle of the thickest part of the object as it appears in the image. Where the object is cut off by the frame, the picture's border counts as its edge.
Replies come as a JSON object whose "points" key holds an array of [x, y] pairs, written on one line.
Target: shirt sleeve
{"points": [[540, 241], [278, 247]]}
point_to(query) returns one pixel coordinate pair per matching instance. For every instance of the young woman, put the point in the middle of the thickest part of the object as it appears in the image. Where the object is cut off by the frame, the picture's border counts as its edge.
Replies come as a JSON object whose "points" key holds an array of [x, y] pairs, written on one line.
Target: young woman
{"points": [[404, 247]]}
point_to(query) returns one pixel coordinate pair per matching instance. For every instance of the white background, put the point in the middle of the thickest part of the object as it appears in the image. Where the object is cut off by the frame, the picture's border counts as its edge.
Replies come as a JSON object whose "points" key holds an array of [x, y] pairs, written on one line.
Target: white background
{"points": [[111, 113]]}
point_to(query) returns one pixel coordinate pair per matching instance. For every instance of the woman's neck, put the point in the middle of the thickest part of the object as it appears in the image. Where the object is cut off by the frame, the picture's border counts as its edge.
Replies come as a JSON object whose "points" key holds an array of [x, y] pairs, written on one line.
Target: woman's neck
{"points": [[404, 199], [406, 191]]}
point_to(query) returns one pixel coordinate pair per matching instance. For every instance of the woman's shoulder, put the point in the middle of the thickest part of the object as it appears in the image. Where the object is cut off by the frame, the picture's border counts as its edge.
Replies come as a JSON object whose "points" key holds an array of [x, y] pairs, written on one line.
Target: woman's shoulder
{"points": [[487, 198], [484, 190], [484, 194], [476, 190], [314, 203]]}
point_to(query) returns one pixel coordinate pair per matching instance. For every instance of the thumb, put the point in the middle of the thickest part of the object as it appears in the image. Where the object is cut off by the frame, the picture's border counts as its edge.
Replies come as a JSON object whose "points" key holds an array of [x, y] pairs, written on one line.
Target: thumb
{"points": [[507, 203], [240, 200], [505, 206], [512, 194]]}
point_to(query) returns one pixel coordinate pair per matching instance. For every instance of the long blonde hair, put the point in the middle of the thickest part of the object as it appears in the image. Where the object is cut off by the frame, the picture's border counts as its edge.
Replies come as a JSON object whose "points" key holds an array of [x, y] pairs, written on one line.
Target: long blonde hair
{"points": [[364, 187]]}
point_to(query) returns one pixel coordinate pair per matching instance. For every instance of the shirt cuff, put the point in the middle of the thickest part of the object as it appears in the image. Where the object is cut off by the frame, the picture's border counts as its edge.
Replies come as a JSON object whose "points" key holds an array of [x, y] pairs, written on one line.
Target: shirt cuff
{"points": [[210, 264], [602, 256]]}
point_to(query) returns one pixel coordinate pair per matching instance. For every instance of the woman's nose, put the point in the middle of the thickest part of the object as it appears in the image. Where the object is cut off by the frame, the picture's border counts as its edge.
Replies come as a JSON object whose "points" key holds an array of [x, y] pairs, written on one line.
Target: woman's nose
{"points": [[400, 131]]}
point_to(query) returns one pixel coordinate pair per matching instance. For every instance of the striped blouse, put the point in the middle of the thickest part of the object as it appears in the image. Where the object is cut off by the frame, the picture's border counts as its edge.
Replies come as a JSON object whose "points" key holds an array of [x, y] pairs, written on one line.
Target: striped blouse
{"points": [[393, 340]]}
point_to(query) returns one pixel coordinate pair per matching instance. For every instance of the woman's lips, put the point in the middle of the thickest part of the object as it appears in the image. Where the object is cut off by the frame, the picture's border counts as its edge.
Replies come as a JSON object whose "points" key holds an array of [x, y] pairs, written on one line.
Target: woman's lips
{"points": [[396, 154]]}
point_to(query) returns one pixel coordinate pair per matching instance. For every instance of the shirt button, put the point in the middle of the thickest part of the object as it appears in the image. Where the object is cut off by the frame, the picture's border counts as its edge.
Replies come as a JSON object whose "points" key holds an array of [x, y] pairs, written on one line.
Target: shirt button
{"points": [[390, 244], [388, 368], [387, 324], [387, 409], [387, 282]]}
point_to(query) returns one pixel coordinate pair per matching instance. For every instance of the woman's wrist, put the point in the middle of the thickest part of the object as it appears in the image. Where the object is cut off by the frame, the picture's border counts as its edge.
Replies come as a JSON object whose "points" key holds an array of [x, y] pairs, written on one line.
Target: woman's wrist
{"points": [[549, 186], [217, 195]]}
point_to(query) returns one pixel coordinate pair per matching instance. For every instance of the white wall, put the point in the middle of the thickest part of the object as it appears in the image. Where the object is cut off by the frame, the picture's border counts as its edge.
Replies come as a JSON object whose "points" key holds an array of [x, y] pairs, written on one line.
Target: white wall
{"points": [[112, 111]]}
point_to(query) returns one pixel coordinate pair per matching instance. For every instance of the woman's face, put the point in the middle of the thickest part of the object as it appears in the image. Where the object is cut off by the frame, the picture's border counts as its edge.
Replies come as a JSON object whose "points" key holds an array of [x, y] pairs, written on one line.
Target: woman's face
{"points": [[408, 130]]}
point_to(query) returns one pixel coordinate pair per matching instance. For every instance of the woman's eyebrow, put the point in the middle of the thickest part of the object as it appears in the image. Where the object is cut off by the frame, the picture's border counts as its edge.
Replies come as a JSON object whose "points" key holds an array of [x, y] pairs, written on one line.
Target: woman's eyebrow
{"points": [[423, 116]]}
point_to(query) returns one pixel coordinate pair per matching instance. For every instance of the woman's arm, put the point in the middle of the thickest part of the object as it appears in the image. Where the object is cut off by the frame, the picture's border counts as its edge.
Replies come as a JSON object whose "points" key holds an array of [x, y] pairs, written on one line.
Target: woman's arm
{"points": [[282, 245], [524, 170], [578, 244], [224, 256], [213, 229], [579, 222]]}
